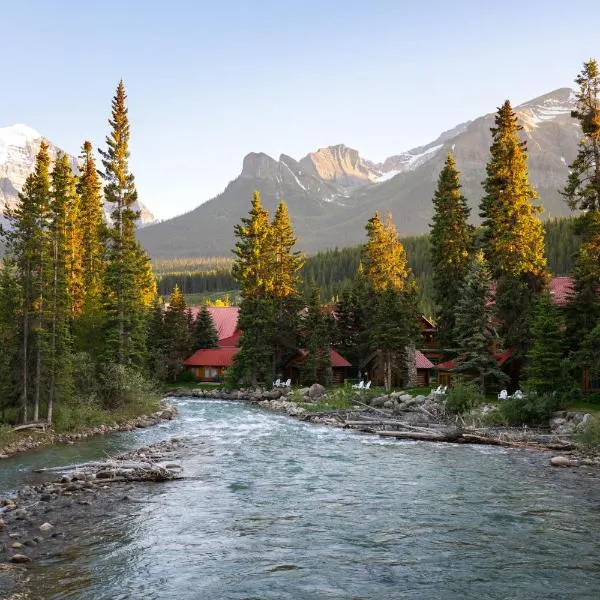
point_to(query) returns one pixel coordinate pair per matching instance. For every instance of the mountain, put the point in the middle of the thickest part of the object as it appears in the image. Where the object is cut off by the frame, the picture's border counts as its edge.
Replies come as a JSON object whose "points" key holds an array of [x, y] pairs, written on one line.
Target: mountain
{"points": [[331, 193], [19, 146]]}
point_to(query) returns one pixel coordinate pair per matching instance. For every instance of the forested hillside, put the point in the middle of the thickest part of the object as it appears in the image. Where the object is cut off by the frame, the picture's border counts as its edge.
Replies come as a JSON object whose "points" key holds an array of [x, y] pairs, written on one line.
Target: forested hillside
{"points": [[333, 270]]}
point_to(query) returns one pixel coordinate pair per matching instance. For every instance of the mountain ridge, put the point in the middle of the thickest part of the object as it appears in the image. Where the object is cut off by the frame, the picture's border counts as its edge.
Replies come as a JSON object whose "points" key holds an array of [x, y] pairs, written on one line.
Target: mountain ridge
{"points": [[332, 192], [19, 145]]}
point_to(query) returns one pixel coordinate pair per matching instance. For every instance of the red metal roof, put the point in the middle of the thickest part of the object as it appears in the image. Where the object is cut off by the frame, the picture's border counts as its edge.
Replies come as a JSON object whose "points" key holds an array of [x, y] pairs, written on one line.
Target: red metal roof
{"points": [[500, 358], [422, 361], [224, 317], [232, 341], [213, 357], [337, 360]]}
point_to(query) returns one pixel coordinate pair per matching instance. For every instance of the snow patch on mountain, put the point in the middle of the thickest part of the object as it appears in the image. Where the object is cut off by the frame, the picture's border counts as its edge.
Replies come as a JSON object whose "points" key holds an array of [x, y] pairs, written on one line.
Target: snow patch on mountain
{"points": [[548, 108], [13, 143]]}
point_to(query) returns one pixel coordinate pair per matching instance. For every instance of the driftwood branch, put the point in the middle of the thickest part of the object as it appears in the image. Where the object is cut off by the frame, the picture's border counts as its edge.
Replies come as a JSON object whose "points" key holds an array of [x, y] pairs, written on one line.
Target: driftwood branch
{"points": [[37, 425]]}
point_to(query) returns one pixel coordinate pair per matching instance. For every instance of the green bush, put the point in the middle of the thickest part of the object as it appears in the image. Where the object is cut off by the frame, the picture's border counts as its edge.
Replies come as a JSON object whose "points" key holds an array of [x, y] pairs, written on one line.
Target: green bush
{"points": [[533, 409], [589, 436], [120, 387], [72, 416], [463, 397]]}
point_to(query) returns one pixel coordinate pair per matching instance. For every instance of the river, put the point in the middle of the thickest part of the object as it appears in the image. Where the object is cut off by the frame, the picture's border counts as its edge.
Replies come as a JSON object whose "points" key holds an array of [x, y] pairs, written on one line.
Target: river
{"points": [[279, 509]]}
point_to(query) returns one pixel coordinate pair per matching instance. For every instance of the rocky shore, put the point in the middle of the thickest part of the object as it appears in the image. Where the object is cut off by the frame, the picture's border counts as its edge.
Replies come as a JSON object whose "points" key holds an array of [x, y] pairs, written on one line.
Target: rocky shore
{"points": [[403, 416], [39, 438], [42, 520]]}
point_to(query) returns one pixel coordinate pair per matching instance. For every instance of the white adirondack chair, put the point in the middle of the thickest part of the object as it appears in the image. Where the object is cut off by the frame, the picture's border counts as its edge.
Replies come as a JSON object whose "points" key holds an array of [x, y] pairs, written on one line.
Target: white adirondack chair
{"points": [[368, 385], [288, 383], [277, 382], [518, 395], [503, 395], [359, 386]]}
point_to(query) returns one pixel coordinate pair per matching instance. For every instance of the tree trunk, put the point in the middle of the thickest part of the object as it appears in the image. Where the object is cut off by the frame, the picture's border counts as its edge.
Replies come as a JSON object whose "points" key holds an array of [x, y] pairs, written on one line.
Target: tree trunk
{"points": [[24, 390]]}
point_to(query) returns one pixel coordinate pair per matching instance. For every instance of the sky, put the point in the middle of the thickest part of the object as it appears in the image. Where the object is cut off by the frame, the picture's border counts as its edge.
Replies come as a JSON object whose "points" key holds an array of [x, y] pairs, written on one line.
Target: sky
{"points": [[209, 82]]}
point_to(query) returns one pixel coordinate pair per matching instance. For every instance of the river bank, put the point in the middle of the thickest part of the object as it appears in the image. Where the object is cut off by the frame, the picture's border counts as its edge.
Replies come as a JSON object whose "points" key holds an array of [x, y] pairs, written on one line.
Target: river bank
{"points": [[401, 415], [41, 521], [32, 439]]}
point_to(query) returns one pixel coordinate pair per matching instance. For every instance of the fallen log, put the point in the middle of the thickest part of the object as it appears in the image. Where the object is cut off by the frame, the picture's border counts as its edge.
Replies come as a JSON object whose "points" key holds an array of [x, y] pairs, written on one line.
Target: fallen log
{"points": [[421, 435], [38, 425]]}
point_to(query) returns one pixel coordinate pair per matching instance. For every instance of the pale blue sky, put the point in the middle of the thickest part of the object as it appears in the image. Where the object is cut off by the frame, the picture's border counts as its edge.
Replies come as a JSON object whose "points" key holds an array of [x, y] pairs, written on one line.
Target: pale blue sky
{"points": [[209, 82]]}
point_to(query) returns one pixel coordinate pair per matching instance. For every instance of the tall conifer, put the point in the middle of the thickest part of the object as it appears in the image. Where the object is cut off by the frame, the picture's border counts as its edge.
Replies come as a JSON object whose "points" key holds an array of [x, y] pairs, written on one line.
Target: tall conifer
{"points": [[582, 191], [204, 332], [513, 235], [178, 343], [128, 283], [452, 240], [65, 289]]}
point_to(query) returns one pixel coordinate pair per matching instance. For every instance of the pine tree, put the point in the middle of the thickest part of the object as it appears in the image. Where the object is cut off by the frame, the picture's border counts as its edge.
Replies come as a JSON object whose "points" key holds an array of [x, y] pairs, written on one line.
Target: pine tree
{"points": [[383, 256], [452, 242], [156, 341], [393, 331], [28, 249], [513, 235], [205, 334], [512, 231], [286, 262], [317, 328], [178, 343], [10, 304], [391, 299], [350, 326], [89, 322], [65, 289], [128, 281], [544, 369], [582, 191], [474, 332], [253, 250]]}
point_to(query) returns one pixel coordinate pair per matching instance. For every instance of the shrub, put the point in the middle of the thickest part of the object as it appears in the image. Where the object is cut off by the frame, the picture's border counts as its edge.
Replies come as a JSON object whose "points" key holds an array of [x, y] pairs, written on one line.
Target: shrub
{"points": [[589, 436], [533, 409], [463, 397], [123, 387]]}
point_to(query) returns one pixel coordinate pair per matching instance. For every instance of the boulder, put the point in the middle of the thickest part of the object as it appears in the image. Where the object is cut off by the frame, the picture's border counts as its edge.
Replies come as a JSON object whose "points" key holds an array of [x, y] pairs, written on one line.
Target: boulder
{"points": [[316, 391], [563, 461], [378, 402], [46, 526], [389, 403], [19, 558]]}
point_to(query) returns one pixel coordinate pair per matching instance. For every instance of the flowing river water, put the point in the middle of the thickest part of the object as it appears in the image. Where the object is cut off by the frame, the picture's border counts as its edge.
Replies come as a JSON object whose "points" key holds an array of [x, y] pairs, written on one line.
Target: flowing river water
{"points": [[278, 509]]}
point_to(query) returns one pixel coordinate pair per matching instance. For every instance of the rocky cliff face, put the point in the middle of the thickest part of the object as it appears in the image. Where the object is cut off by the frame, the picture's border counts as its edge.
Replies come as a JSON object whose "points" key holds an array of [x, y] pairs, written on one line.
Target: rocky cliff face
{"points": [[19, 146], [331, 193]]}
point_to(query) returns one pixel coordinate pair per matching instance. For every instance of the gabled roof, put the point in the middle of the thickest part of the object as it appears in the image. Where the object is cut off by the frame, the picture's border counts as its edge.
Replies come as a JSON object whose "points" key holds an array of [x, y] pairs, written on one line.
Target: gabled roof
{"points": [[224, 317], [337, 360], [422, 362], [213, 357], [231, 341], [448, 365]]}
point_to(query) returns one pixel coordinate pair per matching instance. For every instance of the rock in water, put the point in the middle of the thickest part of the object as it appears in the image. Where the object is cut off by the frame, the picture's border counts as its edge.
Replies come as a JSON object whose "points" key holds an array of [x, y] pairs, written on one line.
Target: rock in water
{"points": [[46, 526], [19, 558], [563, 461]]}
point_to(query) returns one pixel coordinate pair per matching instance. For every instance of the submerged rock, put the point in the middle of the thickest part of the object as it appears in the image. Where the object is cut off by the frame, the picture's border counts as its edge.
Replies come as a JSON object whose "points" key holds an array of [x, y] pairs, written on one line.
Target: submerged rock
{"points": [[563, 461]]}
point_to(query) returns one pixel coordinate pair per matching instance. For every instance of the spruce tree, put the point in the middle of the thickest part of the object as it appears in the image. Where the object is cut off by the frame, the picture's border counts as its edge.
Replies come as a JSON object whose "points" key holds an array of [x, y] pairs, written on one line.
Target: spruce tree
{"points": [[28, 249], [393, 331], [474, 327], [89, 321], [156, 341], [65, 289], [513, 235], [383, 256], [10, 305], [286, 261], [128, 282], [544, 368], [178, 343], [204, 332], [582, 192], [317, 328], [391, 299], [452, 241], [252, 269]]}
